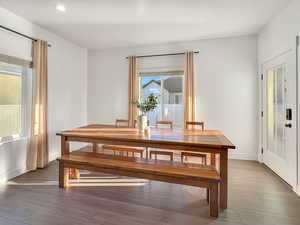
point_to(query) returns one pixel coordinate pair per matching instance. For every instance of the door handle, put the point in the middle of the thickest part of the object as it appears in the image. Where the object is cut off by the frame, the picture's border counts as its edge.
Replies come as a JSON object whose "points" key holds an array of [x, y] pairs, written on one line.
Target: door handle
{"points": [[289, 125], [289, 114]]}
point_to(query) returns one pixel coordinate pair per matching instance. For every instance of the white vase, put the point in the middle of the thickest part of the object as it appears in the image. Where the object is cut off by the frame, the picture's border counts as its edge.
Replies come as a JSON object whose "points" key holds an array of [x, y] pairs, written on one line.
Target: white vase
{"points": [[142, 123]]}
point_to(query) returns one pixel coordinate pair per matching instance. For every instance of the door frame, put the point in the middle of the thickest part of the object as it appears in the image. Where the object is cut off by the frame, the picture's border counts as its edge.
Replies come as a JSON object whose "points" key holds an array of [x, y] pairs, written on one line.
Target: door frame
{"points": [[262, 111], [297, 188]]}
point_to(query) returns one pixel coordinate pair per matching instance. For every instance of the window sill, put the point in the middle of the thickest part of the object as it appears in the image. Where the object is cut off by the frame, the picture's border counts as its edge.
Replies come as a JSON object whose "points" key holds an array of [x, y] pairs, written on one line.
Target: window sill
{"points": [[12, 140]]}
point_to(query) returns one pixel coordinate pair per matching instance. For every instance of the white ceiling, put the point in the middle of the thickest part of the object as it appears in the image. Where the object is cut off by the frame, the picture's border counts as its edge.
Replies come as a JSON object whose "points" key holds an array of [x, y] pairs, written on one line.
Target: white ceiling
{"points": [[101, 24]]}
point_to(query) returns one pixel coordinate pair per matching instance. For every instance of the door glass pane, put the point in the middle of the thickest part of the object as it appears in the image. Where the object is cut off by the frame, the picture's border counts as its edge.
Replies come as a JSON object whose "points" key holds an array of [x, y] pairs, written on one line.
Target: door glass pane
{"points": [[169, 90], [276, 109]]}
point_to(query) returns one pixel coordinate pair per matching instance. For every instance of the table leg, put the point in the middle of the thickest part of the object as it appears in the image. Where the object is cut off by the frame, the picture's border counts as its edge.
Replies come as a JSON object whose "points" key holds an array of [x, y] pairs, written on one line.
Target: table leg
{"points": [[63, 175], [224, 178]]}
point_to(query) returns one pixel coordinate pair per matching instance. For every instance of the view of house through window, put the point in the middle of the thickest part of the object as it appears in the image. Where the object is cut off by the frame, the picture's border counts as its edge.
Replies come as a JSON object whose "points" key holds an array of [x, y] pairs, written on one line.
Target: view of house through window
{"points": [[169, 90], [10, 99]]}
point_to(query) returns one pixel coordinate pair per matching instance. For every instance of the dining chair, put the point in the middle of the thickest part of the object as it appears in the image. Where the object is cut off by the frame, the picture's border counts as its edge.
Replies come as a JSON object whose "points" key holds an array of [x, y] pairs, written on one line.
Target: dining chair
{"points": [[164, 153], [185, 155], [124, 150], [164, 122], [156, 152], [184, 159], [189, 124], [120, 122], [194, 123], [203, 157]]}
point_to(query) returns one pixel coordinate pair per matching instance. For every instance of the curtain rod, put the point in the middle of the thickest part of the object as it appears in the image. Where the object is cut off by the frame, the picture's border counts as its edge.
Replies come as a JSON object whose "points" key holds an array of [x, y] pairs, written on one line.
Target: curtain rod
{"points": [[145, 56], [18, 33]]}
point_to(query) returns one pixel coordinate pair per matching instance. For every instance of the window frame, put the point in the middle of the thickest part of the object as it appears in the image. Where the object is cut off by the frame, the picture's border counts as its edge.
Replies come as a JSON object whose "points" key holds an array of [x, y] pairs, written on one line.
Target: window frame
{"points": [[175, 73], [25, 97]]}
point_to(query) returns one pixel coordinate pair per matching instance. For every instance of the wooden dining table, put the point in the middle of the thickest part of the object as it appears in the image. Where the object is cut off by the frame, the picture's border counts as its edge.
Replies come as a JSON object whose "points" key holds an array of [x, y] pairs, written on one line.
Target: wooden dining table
{"points": [[177, 139]]}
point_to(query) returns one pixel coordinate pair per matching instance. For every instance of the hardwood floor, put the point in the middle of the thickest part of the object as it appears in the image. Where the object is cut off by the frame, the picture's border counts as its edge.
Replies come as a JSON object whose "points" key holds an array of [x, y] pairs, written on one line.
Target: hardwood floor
{"points": [[256, 197]]}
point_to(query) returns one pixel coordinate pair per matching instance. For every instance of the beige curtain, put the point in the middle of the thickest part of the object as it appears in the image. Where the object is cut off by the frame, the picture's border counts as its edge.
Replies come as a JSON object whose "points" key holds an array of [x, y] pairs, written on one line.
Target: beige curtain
{"points": [[133, 89], [189, 87], [38, 144]]}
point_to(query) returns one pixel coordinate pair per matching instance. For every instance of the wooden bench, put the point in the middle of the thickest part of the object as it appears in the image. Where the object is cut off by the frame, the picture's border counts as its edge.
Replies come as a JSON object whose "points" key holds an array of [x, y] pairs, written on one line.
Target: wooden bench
{"points": [[160, 170]]}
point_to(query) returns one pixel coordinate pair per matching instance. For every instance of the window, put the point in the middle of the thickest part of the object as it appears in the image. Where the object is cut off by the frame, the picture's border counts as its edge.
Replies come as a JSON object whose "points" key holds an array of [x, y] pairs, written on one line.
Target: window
{"points": [[12, 101], [276, 109], [169, 90]]}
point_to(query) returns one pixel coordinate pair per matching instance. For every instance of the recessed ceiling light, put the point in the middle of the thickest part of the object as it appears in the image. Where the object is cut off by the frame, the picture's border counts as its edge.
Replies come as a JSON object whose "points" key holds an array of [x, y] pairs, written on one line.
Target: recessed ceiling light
{"points": [[61, 7]]}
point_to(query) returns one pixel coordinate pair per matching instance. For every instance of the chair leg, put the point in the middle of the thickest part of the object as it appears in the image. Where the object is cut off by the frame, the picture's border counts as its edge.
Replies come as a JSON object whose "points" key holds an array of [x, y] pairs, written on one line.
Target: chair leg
{"points": [[213, 199], [95, 147], [213, 160], [74, 173], [63, 175]]}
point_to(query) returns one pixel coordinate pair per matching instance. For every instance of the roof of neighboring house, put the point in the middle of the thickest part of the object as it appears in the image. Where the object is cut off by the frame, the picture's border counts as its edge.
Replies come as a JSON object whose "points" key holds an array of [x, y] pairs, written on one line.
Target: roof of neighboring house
{"points": [[150, 82], [172, 84]]}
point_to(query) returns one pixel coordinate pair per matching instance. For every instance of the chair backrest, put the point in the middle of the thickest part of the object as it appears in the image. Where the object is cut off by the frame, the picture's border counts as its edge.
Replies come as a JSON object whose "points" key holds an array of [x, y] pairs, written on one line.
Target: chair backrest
{"points": [[119, 122], [185, 155], [193, 123], [165, 153], [164, 122], [123, 150]]}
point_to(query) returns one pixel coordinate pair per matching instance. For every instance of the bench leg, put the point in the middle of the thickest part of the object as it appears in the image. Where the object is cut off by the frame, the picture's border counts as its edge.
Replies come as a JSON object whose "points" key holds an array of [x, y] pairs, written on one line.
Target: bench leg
{"points": [[63, 176], [74, 174], [214, 199]]}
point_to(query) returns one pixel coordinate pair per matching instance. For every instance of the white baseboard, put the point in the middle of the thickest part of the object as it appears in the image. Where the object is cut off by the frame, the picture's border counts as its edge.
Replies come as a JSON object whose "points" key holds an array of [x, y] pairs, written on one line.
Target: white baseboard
{"points": [[53, 157], [242, 156], [11, 174], [4, 177]]}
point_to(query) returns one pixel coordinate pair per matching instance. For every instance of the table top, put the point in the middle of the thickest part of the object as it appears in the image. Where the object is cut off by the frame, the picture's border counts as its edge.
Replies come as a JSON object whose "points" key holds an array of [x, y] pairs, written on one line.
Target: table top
{"points": [[174, 136]]}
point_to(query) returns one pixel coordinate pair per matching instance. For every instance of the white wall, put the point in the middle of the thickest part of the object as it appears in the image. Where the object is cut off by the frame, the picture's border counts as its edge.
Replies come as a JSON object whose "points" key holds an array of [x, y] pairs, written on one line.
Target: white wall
{"points": [[278, 36], [67, 87], [226, 85]]}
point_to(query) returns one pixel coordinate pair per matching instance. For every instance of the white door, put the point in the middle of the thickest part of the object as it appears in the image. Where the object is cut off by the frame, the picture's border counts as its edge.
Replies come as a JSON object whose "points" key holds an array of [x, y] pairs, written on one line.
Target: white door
{"points": [[280, 116]]}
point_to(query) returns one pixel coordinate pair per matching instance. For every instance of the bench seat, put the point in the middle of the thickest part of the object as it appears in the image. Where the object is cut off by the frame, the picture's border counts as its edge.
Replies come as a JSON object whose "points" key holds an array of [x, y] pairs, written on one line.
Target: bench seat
{"points": [[160, 170]]}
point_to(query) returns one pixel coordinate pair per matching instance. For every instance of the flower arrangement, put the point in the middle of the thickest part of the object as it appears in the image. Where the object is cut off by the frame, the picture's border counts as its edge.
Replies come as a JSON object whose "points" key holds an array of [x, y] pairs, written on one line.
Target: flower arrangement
{"points": [[148, 105]]}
